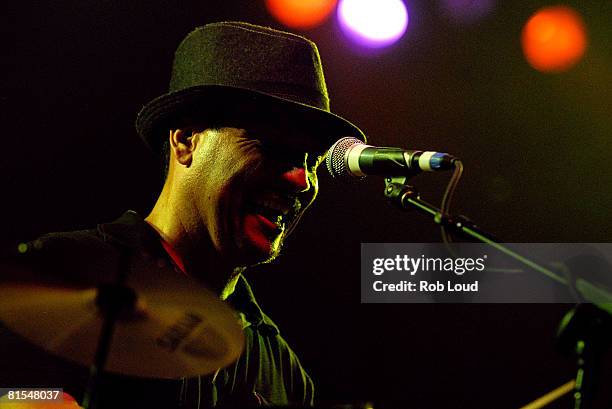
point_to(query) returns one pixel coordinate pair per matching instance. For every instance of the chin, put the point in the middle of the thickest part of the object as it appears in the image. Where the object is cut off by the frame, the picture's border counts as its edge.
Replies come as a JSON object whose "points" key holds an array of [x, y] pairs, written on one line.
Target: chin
{"points": [[261, 250], [258, 243]]}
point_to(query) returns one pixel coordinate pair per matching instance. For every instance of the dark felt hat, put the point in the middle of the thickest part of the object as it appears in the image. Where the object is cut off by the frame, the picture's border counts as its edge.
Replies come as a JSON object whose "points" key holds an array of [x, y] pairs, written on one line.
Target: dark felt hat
{"points": [[232, 69]]}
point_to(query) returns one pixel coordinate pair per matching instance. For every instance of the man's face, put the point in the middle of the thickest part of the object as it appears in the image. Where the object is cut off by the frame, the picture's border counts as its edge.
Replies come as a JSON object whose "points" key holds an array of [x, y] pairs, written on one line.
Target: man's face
{"points": [[250, 186]]}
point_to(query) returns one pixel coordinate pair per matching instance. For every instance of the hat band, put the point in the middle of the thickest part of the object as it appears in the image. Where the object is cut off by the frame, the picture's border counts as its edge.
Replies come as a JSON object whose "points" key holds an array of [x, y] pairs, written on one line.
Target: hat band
{"points": [[288, 91]]}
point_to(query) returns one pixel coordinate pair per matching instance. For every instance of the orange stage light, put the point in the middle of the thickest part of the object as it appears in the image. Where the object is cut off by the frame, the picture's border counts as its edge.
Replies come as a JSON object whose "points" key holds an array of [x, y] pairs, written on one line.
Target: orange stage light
{"points": [[554, 39], [301, 14]]}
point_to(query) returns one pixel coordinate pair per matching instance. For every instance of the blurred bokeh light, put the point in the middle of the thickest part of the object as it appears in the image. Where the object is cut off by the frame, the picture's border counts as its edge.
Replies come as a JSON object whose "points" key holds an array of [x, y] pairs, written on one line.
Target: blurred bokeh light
{"points": [[373, 24], [301, 14], [554, 39]]}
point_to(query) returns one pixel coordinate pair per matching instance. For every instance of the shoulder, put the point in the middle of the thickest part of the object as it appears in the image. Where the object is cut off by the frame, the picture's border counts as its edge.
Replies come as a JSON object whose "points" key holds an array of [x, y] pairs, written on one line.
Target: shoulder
{"points": [[282, 362], [77, 244], [299, 380], [59, 251], [268, 360], [67, 255]]}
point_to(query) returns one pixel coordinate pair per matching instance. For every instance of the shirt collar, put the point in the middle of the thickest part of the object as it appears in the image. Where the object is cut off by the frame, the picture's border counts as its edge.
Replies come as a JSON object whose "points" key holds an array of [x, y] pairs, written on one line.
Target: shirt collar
{"points": [[243, 300]]}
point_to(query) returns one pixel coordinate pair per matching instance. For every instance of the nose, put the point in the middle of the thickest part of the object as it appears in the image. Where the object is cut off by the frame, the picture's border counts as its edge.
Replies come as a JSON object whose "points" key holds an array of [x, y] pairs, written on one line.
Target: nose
{"points": [[296, 179]]}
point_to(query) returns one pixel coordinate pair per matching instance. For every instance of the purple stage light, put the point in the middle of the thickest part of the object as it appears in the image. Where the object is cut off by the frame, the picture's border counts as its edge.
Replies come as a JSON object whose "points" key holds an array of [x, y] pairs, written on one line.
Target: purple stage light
{"points": [[373, 24]]}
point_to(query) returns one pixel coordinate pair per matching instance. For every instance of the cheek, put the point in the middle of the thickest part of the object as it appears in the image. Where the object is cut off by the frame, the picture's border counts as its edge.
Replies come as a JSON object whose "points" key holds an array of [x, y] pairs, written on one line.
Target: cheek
{"points": [[215, 196], [223, 190], [233, 207]]}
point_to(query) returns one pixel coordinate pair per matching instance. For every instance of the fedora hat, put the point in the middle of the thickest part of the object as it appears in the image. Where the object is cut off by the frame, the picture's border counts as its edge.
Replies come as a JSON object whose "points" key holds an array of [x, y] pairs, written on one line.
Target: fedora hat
{"points": [[223, 71]]}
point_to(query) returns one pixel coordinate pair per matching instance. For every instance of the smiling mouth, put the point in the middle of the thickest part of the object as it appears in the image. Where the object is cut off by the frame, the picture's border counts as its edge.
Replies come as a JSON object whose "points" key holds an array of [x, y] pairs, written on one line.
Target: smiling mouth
{"points": [[274, 210]]}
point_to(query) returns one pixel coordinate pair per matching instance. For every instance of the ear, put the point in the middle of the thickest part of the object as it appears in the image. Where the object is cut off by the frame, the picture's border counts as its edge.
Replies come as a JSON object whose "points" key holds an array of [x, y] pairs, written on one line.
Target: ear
{"points": [[182, 144]]}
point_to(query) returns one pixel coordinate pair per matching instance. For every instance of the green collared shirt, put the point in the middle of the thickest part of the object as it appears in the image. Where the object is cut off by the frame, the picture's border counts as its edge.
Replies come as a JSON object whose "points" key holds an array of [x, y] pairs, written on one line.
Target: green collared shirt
{"points": [[267, 373]]}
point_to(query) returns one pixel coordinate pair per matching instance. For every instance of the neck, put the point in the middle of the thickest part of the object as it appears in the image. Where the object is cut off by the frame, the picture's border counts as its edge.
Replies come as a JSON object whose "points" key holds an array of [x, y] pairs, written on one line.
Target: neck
{"points": [[190, 248]]}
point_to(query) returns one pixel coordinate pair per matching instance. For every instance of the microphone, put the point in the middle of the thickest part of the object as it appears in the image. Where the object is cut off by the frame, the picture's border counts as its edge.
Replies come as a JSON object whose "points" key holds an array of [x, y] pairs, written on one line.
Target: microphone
{"points": [[351, 157]]}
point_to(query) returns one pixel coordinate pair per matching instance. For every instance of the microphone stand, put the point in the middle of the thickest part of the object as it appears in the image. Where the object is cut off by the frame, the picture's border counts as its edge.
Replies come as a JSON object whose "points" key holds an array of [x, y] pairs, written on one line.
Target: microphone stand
{"points": [[586, 330]]}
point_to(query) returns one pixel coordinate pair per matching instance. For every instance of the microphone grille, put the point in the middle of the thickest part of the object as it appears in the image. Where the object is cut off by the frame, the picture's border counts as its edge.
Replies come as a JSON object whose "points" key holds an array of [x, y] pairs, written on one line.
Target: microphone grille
{"points": [[336, 157]]}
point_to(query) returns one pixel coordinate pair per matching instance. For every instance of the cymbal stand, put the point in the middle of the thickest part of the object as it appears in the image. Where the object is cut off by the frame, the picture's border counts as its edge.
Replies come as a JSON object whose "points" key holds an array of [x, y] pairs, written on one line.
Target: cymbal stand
{"points": [[585, 331], [112, 300]]}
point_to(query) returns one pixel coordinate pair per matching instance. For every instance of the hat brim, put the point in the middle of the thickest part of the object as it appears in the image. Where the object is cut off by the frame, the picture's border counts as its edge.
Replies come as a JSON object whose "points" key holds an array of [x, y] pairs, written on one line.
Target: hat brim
{"points": [[215, 103]]}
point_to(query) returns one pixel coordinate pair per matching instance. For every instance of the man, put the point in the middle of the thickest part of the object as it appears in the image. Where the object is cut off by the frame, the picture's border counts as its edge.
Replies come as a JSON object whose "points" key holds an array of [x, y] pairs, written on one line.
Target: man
{"points": [[242, 131]]}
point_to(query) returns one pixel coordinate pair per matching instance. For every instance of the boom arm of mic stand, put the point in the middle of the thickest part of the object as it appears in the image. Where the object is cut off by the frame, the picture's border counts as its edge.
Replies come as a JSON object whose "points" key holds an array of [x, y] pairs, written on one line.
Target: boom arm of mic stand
{"points": [[406, 196], [591, 334]]}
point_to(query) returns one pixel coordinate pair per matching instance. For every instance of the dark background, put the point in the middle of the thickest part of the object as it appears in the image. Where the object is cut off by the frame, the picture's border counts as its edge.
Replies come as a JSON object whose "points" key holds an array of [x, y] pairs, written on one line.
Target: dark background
{"points": [[535, 148]]}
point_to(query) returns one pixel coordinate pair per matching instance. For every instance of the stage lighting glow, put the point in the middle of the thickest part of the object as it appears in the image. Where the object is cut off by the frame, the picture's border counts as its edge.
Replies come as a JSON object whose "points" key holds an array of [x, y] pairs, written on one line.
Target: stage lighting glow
{"points": [[373, 23], [554, 39], [301, 14]]}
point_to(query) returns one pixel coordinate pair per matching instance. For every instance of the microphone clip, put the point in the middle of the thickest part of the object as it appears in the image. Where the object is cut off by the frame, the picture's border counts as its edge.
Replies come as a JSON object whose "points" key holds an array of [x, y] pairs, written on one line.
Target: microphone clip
{"points": [[397, 191]]}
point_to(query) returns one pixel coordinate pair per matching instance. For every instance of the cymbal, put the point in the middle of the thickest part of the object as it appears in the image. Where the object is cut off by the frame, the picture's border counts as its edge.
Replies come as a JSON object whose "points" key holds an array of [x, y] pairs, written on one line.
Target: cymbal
{"points": [[170, 327]]}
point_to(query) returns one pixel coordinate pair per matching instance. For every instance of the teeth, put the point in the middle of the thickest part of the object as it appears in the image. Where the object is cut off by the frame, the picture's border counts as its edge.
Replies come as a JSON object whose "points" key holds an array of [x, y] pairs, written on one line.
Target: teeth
{"points": [[273, 204]]}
